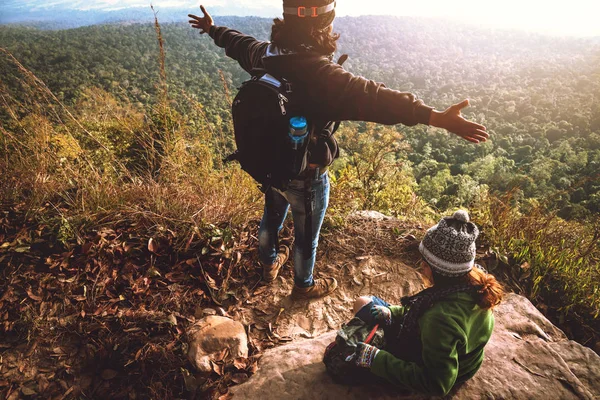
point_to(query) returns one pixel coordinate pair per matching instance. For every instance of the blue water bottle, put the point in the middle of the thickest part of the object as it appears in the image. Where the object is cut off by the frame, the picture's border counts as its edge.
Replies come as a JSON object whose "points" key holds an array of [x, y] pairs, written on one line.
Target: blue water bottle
{"points": [[298, 131]]}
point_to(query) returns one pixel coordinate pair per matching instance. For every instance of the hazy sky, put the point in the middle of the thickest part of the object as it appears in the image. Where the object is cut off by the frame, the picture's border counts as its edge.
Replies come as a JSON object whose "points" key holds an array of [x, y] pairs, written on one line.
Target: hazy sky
{"points": [[573, 17]]}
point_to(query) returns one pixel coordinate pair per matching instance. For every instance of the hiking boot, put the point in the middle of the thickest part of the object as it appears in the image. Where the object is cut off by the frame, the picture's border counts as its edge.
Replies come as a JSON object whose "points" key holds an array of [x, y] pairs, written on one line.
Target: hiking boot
{"points": [[321, 288], [270, 272]]}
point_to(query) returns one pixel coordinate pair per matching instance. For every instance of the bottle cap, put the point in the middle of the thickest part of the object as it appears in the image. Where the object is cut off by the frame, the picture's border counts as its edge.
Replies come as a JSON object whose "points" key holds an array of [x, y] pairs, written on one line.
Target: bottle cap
{"points": [[298, 123]]}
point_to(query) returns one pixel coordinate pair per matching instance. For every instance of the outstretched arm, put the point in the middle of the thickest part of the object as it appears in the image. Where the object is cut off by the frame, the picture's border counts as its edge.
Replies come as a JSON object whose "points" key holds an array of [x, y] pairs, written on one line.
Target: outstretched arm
{"points": [[245, 49]]}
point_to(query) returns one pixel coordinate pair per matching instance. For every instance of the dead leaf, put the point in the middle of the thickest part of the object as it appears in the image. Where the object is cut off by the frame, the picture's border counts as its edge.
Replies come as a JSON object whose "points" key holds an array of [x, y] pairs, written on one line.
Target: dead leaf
{"points": [[33, 296], [210, 282], [253, 368], [260, 290], [85, 382], [217, 368], [172, 319], [239, 377], [86, 247], [226, 396], [176, 276], [152, 246], [222, 355], [27, 391], [240, 363], [109, 374]]}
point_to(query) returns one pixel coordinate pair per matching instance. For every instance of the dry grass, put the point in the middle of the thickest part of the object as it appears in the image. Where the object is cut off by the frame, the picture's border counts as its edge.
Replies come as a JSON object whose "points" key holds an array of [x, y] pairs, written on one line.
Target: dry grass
{"points": [[556, 263]]}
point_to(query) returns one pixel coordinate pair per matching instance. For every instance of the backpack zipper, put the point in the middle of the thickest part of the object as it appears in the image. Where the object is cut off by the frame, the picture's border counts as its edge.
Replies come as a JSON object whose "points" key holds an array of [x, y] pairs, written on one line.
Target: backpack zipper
{"points": [[282, 101]]}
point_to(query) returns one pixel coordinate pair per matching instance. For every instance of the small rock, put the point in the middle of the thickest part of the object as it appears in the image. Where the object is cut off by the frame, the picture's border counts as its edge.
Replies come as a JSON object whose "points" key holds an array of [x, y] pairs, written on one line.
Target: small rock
{"points": [[210, 336], [209, 311], [373, 215]]}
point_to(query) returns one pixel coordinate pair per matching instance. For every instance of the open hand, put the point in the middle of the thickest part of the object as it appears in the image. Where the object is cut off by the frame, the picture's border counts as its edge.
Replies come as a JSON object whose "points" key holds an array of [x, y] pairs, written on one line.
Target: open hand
{"points": [[453, 121], [203, 23]]}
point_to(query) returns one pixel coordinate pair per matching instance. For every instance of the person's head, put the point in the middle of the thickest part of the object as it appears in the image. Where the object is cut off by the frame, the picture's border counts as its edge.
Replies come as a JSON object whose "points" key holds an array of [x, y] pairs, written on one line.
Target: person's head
{"points": [[306, 23], [448, 251]]}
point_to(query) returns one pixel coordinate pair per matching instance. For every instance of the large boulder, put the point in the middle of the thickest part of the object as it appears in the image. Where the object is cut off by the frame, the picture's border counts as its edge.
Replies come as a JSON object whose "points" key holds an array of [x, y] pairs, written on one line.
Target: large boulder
{"points": [[527, 358], [210, 336]]}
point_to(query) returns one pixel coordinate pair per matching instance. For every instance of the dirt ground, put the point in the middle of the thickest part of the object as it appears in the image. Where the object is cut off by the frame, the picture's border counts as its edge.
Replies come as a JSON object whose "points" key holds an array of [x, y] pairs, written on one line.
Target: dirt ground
{"points": [[106, 316]]}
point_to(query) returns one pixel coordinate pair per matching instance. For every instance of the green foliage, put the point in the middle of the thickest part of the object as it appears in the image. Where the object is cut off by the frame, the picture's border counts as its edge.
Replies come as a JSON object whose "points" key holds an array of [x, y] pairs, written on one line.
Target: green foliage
{"points": [[557, 260], [372, 173]]}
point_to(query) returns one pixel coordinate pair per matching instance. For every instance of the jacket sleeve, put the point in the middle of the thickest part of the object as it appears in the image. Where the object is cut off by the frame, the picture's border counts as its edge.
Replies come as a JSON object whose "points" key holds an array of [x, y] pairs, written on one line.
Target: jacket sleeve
{"points": [[246, 50], [437, 375], [342, 95], [397, 312]]}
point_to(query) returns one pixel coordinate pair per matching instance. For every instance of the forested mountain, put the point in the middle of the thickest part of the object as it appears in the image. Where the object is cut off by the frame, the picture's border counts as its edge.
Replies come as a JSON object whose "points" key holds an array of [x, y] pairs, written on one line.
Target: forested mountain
{"points": [[539, 96]]}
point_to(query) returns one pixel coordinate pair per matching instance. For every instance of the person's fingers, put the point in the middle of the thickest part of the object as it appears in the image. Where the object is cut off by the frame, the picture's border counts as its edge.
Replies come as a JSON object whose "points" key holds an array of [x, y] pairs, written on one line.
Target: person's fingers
{"points": [[468, 136], [194, 16], [482, 133], [203, 10], [479, 126], [461, 105]]}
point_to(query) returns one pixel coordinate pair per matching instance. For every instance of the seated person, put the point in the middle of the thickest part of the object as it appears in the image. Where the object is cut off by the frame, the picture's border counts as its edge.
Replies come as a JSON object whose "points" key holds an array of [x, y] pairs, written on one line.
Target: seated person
{"points": [[436, 338]]}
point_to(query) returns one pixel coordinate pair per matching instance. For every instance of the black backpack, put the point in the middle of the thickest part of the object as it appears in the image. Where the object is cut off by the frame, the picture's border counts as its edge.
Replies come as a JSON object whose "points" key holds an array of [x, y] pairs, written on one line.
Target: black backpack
{"points": [[261, 116], [339, 356], [261, 112]]}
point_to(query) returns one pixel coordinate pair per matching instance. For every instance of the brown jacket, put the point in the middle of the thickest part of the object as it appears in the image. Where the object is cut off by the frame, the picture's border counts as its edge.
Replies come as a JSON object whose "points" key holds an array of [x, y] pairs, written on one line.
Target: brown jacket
{"points": [[331, 93]]}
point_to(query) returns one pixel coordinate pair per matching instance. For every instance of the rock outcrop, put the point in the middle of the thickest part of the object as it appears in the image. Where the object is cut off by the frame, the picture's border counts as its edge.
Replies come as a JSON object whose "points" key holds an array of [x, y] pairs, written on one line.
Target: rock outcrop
{"points": [[527, 358]]}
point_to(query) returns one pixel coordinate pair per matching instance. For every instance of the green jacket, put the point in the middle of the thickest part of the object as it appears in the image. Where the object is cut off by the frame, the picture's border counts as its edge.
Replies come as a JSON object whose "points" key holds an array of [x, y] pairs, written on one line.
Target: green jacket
{"points": [[453, 334]]}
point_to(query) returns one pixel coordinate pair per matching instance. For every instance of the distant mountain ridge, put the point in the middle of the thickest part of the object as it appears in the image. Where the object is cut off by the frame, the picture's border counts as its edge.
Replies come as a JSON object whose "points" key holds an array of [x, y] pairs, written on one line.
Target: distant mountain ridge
{"points": [[62, 17]]}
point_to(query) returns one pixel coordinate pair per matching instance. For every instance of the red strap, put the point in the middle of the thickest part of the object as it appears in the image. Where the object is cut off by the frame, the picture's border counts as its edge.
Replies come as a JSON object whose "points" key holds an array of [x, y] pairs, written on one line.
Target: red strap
{"points": [[370, 337]]}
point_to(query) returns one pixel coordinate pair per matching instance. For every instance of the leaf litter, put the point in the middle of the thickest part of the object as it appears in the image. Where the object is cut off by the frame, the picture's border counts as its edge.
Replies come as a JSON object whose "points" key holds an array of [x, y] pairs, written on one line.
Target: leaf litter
{"points": [[105, 316]]}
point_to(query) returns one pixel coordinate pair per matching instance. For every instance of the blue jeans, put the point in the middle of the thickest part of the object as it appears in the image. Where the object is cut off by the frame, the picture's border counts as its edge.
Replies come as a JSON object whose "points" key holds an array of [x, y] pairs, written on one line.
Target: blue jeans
{"points": [[365, 312], [277, 204]]}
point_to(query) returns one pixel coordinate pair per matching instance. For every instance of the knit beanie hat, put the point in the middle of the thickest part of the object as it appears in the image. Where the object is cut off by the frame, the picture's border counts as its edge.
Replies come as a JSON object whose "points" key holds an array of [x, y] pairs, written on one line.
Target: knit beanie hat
{"points": [[449, 246], [317, 13]]}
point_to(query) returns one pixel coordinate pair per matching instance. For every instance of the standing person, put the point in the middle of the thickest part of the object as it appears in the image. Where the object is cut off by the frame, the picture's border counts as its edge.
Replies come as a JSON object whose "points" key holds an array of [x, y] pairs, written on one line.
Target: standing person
{"points": [[301, 51], [435, 339]]}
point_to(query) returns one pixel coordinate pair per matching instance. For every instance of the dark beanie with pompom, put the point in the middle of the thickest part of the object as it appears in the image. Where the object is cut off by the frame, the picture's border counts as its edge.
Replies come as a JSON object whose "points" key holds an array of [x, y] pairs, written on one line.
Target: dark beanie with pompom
{"points": [[300, 13]]}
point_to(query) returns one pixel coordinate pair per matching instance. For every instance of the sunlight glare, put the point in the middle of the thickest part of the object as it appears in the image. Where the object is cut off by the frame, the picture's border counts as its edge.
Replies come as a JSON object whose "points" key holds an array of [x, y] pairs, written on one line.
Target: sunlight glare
{"points": [[574, 17]]}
